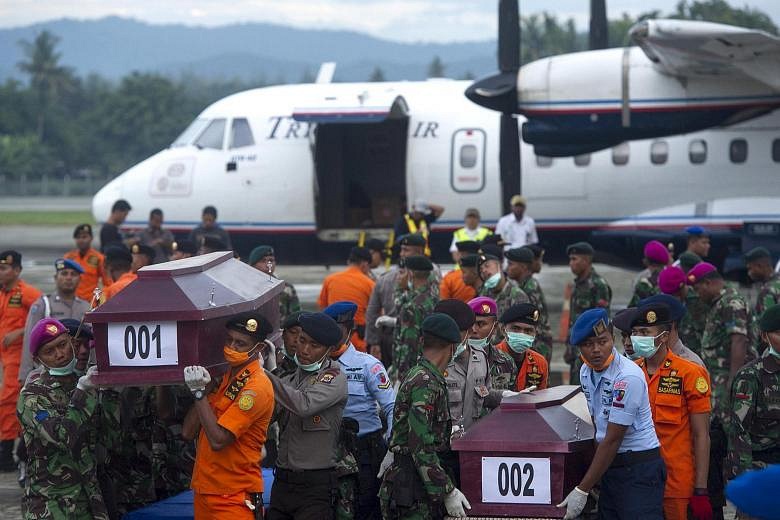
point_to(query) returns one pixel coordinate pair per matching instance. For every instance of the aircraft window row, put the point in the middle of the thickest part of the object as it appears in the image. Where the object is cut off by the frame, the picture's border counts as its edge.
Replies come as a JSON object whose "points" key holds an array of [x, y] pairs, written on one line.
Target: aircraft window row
{"points": [[659, 152], [697, 151], [468, 156], [212, 136], [190, 133], [738, 150], [582, 159], [241, 133]]}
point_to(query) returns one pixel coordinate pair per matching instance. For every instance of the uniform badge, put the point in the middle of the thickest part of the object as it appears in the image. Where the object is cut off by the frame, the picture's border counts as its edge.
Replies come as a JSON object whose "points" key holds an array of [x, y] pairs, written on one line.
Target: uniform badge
{"points": [[51, 329], [618, 395], [701, 385], [316, 419], [251, 325], [93, 260], [485, 308], [481, 391], [15, 301], [326, 378], [59, 265], [667, 363], [651, 317], [599, 328], [536, 315], [136, 249], [534, 378], [670, 385], [246, 402]]}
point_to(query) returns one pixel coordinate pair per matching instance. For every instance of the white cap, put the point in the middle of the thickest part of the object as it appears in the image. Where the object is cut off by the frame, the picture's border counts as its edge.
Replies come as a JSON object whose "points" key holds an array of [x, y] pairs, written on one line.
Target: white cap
{"points": [[420, 205]]}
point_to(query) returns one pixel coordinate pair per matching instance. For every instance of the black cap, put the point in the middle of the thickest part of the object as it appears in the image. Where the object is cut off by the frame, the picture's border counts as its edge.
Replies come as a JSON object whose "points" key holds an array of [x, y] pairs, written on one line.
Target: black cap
{"points": [[185, 246], [652, 314], [442, 326], [522, 312], [417, 263], [292, 320], [467, 246], [537, 250], [321, 328], [580, 248], [11, 257], [676, 307], [374, 244], [73, 326], [82, 228], [520, 254], [757, 253], [412, 239], [469, 261], [140, 249], [214, 244], [252, 323], [118, 253], [491, 252], [458, 311], [359, 254], [624, 318], [493, 239], [770, 320]]}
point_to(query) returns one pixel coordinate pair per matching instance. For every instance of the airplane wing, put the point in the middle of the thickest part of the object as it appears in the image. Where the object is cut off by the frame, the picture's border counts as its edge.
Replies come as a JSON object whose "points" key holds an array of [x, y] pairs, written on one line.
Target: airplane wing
{"points": [[691, 48]]}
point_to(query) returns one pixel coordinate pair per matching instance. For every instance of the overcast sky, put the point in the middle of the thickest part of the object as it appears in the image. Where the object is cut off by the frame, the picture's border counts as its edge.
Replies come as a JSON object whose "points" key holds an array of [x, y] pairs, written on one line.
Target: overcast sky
{"points": [[406, 20]]}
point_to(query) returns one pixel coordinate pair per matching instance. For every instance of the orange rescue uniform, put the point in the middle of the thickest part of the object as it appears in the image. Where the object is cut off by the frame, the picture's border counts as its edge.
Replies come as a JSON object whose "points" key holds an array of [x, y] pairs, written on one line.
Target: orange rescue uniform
{"points": [[534, 371], [14, 305], [678, 389], [452, 286], [222, 480], [351, 285], [121, 282], [94, 265]]}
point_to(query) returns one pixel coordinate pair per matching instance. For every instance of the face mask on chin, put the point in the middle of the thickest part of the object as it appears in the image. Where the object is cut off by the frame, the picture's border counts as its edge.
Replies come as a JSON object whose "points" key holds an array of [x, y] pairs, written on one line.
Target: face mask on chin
{"points": [[492, 282], [311, 367], [63, 371]]}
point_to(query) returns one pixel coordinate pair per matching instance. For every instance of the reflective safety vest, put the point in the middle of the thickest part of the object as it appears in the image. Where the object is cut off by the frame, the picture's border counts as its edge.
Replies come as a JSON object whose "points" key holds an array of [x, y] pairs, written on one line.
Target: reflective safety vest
{"points": [[461, 235], [422, 229]]}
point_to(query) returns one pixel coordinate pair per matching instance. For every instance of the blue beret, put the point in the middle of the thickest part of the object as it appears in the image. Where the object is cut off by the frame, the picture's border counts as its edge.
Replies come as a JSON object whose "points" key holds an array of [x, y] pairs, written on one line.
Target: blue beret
{"points": [[73, 326], [66, 263], [442, 326], [590, 323], [755, 493], [676, 307], [696, 230], [321, 328], [341, 311]]}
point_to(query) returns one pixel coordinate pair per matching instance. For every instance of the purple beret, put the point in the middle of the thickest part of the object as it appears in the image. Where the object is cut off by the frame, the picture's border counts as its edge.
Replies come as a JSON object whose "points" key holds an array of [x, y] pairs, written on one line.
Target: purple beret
{"points": [[701, 271], [656, 253], [483, 306], [671, 279], [43, 332]]}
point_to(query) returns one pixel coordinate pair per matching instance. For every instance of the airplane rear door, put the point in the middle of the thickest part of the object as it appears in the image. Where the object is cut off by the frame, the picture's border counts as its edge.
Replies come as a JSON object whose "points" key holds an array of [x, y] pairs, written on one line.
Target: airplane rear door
{"points": [[359, 151]]}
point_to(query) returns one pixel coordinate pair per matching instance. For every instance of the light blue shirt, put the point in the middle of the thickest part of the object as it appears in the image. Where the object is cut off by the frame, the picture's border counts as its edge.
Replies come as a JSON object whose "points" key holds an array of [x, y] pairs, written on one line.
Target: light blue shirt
{"points": [[619, 395], [367, 386]]}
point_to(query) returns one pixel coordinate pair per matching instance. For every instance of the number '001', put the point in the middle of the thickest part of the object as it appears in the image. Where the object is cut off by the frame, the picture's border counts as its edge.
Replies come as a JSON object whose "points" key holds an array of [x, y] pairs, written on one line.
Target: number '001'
{"points": [[510, 479], [139, 343]]}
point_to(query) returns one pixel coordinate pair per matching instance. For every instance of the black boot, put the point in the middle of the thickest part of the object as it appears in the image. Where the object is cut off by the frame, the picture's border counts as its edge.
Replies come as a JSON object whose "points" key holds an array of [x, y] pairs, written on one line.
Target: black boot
{"points": [[7, 463]]}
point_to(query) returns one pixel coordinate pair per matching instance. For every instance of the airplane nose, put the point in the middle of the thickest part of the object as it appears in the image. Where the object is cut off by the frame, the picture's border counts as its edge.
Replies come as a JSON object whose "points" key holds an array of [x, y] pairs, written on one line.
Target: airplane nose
{"points": [[105, 198]]}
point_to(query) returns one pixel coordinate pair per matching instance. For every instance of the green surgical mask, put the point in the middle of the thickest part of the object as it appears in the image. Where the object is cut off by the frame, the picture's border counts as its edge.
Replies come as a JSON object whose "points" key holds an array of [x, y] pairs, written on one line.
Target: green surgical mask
{"points": [[63, 371], [460, 349], [519, 342], [492, 282], [478, 343], [311, 367], [644, 346]]}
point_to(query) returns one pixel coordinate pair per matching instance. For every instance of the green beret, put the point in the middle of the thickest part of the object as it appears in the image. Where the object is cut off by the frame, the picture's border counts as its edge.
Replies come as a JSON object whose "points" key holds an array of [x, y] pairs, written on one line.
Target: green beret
{"points": [[757, 253], [520, 254], [442, 326], [141, 249], [536, 249], [292, 320], [770, 320], [417, 263], [688, 260], [259, 253], [412, 239], [469, 261], [580, 248]]}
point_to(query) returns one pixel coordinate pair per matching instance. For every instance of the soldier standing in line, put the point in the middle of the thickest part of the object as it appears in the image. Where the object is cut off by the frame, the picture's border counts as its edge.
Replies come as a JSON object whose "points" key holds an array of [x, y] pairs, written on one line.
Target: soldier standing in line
{"points": [[590, 290], [760, 270], [263, 258], [416, 484], [754, 432], [520, 269], [501, 366], [92, 262], [656, 257], [495, 284], [55, 411], [285, 354]]}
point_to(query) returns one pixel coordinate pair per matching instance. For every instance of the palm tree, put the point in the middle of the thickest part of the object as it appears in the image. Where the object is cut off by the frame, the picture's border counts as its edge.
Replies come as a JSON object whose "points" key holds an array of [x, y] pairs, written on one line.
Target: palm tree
{"points": [[47, 76]]}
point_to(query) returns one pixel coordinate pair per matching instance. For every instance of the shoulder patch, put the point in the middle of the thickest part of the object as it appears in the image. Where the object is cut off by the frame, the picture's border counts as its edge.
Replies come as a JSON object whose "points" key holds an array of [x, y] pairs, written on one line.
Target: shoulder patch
{"points": [[41, 415], [328, 375], [377, 368], [93, 260], [701, 385], [246, 402]]}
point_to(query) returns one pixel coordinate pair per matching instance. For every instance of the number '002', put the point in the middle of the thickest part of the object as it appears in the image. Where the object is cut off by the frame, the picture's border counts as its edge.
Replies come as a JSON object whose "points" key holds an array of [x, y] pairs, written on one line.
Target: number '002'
{"points": [[510, 479]]}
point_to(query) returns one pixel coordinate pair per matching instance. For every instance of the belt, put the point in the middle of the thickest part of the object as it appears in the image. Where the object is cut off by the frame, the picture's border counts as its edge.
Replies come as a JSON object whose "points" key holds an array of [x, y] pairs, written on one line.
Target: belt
{"points": [[304, 476], [630, 458]]}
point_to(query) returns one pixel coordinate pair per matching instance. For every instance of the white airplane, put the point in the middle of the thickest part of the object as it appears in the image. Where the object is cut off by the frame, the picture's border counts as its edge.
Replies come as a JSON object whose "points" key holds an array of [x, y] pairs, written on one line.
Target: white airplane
{"points": [[619, 146]]}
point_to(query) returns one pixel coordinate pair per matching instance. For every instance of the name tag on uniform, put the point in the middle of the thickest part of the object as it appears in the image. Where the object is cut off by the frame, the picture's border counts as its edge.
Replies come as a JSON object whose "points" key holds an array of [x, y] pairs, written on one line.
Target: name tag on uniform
{"points": [[670, 385], [15, 301]]}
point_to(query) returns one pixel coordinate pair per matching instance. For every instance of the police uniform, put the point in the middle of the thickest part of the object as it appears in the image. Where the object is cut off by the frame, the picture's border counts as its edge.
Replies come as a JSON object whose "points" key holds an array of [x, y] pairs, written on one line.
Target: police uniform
{"points": [[313, 403], [633, 486], [50, 306]]}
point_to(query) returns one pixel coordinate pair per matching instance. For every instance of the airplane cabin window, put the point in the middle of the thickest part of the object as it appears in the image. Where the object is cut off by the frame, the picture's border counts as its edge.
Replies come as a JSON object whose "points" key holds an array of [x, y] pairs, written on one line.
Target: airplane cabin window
{"points": [[212, 136], [776, 150], [738, 151], [190, 133], [659, 152], [468, 156], [697, 151], [544, 161], [241, 133], [620, 154], [582, 159]]}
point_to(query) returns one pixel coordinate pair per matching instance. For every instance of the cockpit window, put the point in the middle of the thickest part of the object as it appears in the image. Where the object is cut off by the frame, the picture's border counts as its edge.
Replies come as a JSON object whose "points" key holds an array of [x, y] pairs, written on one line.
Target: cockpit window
{"points": [[241, 133], [212, 136], [190, 133]]}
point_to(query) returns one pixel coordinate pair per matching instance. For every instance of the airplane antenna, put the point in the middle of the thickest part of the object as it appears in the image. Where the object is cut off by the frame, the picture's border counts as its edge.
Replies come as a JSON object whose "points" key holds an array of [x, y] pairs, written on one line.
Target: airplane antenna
{"points": [[326, 72]]}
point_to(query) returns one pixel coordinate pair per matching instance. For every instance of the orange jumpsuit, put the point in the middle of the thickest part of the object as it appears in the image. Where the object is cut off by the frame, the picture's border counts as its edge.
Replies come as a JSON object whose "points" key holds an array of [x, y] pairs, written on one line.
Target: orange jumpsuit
{"points": [[534, 371], [94, 265], [350, 285], [678, 389], [121, 282], [222, 480], [452, 286], [14, 306]]}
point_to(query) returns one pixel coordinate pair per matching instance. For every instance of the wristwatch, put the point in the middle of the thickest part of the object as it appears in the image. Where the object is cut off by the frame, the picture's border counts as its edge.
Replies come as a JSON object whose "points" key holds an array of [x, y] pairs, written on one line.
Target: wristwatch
{"points": [[199, 393]]}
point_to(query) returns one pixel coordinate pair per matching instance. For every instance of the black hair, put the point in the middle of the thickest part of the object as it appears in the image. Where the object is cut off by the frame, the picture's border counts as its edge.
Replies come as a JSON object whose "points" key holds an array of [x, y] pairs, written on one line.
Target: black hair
{"points": [[156, 212], [121, 205], [210, 210]]}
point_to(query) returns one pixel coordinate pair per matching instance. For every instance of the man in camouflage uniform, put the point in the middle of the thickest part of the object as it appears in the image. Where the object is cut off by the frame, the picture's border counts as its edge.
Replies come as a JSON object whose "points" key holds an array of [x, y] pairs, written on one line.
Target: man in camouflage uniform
{"points": [[761, 271], [754, 432], [656, 257], [172, 456], [416, 484], [55, 410], [590, 290], [263, 259], [725, 348], [495, 284], [415, 296], [520, 269], [346, 471]]}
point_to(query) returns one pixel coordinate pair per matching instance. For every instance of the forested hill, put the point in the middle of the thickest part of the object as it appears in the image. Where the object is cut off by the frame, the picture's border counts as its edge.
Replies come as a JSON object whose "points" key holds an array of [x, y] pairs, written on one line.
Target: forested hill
{"points": [[112, 47]]}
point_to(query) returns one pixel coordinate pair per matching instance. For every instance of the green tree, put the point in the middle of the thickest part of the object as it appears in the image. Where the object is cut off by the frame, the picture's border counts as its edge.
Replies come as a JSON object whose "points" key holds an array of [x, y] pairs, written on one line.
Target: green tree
{"points": [[721, 12], [436, 68], [47, 77], [25, 155], [377, 75]]}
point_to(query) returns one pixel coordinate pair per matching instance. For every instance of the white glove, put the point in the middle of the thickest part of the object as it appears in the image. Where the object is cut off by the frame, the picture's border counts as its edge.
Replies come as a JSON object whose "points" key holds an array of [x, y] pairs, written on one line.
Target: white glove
{"points": [[385, 321], [85, 382], [508, 393], [196, 377], [385, 464], [456, 431], [527, 390], [574, 503], [455, 502]]}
